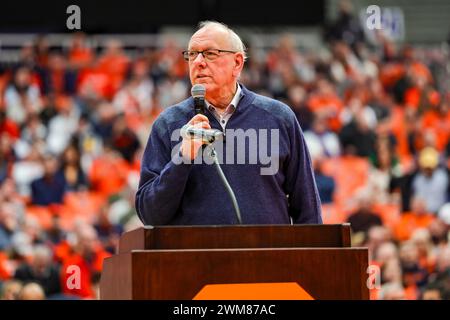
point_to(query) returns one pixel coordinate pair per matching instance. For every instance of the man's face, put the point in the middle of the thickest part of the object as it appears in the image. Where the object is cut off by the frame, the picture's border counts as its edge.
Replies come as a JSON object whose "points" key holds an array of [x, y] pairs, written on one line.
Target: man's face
{"points": [[218, 75]]}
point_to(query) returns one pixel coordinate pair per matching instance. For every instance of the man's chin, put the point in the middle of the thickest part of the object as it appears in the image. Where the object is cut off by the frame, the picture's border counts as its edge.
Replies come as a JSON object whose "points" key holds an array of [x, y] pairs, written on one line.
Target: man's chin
{"points": [[203, 81]]}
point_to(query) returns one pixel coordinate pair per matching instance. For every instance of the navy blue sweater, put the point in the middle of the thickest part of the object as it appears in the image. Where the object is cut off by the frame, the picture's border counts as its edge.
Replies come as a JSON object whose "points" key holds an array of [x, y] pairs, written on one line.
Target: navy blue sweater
{"points": [[192, 194]]}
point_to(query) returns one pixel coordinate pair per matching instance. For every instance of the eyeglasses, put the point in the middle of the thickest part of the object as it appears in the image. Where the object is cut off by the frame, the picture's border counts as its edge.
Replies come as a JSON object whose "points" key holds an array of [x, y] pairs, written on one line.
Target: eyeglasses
{"points": [[208, 54]]}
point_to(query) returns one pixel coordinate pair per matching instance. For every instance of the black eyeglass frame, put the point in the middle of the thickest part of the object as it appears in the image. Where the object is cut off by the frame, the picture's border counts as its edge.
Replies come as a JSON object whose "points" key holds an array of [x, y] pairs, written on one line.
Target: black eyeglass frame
{"points": [[187, 58]]}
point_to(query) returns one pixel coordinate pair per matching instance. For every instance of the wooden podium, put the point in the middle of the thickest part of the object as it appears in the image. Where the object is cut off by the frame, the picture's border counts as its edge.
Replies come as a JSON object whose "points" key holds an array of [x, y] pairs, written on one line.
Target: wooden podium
{"points": [[236, 262]]}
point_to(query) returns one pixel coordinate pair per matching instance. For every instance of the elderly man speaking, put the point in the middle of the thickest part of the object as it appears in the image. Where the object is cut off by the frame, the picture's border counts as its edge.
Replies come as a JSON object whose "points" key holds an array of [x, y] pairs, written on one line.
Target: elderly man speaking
{"points": [[176, 188]]}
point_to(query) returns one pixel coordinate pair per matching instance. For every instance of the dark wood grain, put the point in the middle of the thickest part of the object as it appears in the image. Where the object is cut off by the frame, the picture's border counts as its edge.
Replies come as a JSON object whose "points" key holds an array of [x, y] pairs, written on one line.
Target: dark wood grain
{"points": [[244, 236], [330, 273]]}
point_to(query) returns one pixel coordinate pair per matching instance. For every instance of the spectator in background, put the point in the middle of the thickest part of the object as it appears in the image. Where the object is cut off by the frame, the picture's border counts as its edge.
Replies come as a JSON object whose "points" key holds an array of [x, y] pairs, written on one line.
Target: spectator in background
{"points": [[63, 126], [379, 101], [56, 78], [324, 101], [392, 291], [7, 156], [364, 218], [71, 167], [325, 184], [171, 90], [88, 255], [124, 140], [8, 225], [88, 143], [31, 227], [297, 97], [8, 127], [357, 138], [51, 105], [439, 229], [108, 232], [442, 272], [108, 173], [41, 270], [114, 63], [33, 135], [346, 27], [419, 217], [169, 61], [11, 290], [103, 121], [31, 291], [436, 120], [255, 75], [391, 272], [50, 188], [41, 49], [431, 182], [9, 196], [356, 109], [28, 55], [26, 170], [376, 236], [22, 97], [135, 99], [322, 142], [384, 167], [414, 275], [80, 53], [287, 67], [434, 291], [385, 252]]}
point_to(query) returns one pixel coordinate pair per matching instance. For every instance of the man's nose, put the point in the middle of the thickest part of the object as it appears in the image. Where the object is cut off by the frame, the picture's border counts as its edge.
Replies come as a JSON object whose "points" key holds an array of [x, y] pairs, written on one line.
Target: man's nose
{"points": [[199, 60]]}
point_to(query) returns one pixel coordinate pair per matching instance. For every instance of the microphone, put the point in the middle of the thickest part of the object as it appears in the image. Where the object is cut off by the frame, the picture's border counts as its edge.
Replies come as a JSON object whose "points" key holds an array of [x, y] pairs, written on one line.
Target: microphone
{"points": [[198, 92], [207, 135]]}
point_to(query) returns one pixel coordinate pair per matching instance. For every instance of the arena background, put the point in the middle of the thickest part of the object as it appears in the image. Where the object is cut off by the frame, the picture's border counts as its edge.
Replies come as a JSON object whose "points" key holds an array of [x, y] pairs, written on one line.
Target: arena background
{"points": [[76, 108]]}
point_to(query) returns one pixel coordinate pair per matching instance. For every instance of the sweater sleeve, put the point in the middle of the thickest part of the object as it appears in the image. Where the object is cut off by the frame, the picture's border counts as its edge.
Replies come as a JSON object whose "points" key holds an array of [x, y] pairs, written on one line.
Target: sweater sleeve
{"points": [[163, 178], [303, 196]]}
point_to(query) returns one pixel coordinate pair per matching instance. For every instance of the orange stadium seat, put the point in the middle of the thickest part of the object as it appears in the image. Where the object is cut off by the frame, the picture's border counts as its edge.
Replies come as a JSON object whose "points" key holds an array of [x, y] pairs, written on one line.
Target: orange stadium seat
{"points": [[390, 214], [43, 214], [350, 173], [333, 213]]}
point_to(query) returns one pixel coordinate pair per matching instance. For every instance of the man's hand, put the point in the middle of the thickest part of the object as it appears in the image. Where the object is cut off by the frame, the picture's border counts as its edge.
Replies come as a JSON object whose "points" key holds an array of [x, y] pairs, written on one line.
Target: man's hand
{"points": [[190, 146]]}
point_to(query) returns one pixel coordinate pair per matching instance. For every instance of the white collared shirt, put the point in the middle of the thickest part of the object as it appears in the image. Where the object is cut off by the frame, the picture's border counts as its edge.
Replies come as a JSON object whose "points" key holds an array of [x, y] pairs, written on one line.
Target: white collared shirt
{"points": [[225, 116]]}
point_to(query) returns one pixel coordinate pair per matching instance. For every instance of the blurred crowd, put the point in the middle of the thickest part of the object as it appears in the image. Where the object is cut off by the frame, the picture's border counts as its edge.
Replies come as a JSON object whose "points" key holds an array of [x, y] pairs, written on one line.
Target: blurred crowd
{"points": [[74, 122]]}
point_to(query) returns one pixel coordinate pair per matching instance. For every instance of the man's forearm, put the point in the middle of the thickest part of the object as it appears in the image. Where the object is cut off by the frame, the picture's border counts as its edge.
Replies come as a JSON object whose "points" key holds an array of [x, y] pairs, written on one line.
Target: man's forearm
{"points": [[159, 195]]}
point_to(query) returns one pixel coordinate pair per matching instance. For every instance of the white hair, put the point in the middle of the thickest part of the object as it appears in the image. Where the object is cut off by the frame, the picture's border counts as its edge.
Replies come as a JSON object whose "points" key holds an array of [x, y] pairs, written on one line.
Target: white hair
{"points": [[235, 40]]}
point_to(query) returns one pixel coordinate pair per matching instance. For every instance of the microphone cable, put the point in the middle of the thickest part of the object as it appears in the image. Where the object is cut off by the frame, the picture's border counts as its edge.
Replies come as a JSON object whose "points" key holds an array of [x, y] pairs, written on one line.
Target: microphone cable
{"points": [[226, 184]]}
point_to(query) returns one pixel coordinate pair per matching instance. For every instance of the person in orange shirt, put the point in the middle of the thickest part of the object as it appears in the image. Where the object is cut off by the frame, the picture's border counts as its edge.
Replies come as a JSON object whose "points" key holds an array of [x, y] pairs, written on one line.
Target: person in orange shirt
{"points": [[80, 54], [82, 266], [109, 172], [437, 120], [5, 273], [410, 221], [114, 63], [324, 100]]}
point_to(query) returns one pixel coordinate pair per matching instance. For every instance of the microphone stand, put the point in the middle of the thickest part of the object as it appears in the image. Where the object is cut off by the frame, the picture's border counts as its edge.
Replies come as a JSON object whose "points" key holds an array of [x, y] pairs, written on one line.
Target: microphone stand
{"points": [[226, 184]]}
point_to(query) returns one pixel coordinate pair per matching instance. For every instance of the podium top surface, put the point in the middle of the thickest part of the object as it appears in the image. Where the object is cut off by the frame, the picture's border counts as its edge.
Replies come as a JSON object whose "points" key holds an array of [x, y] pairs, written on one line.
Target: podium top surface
{"points": [[235, 236]]}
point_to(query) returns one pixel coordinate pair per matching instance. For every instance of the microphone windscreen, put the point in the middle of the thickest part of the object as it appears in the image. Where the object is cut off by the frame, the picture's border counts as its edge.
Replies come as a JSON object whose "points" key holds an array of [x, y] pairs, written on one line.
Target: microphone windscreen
{"points": [[198, 91]]}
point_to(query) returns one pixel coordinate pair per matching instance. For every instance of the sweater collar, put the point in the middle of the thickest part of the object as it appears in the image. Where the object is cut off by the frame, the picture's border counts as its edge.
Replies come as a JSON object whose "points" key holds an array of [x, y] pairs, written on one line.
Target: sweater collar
{"points": [[247, 98]]}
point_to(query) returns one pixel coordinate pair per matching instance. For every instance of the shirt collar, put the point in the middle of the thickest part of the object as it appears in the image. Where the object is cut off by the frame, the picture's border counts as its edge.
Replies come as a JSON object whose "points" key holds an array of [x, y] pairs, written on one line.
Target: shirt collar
{"points": [[233, 104]]}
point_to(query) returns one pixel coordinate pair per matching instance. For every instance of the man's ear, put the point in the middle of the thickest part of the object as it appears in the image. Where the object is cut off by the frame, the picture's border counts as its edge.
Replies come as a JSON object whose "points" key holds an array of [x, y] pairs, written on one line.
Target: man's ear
{"points": [[238, 63]]}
